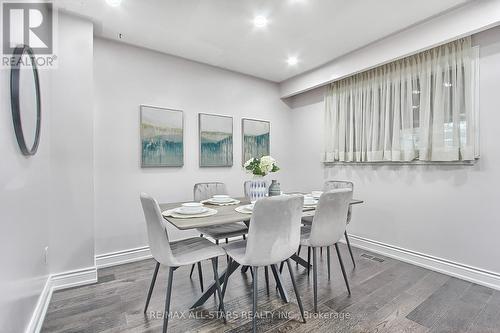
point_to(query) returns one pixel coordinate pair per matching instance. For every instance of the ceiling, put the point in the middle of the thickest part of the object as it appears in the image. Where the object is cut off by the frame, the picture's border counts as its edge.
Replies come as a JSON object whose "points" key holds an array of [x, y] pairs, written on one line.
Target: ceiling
{"points": [[221, 32]]}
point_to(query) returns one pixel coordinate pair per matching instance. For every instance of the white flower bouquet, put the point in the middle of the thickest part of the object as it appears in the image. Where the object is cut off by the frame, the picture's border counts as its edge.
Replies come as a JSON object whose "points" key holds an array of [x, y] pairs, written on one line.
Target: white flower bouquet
{"points": [[261, 166]]}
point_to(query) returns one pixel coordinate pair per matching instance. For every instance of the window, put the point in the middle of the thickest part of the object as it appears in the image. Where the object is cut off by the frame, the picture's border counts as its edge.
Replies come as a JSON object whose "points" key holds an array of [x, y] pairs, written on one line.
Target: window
{"points": [[420, 108]]}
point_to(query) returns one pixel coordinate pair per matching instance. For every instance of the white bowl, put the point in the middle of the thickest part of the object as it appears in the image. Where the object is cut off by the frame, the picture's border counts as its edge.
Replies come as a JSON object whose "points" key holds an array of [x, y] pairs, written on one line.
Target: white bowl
{"points": [[192, 207], [221, 198]]}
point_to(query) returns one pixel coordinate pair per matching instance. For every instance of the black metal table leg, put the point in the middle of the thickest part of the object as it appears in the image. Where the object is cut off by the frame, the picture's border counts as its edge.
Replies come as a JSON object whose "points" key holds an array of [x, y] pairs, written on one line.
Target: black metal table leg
{"points": [[211, 289], [299, 260]]}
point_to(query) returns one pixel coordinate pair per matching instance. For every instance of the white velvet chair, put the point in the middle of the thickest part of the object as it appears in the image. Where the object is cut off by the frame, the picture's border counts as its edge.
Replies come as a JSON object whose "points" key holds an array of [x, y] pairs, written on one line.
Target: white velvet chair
{"points": [[273, 237], [327, 186], [175, 254], [327, 228]]}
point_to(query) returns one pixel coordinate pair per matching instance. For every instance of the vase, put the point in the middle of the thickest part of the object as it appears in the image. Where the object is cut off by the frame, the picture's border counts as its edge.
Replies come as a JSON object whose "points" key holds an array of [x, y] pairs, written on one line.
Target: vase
{"points": [[274, 189], [257, 188]]}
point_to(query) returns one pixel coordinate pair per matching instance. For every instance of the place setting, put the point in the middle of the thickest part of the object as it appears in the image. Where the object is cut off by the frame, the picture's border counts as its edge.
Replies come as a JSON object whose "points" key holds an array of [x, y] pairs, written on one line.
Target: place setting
{"points": [[190, 210], [245, 209], [221, 200], [311, 200]]}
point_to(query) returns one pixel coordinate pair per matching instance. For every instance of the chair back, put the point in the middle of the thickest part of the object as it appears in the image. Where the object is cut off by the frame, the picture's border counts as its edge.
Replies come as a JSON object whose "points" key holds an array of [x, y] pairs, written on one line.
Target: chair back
{"points": [[157, 232], [247, 185], [274, 230], [330, 219], [204, 191], [336, 184]]}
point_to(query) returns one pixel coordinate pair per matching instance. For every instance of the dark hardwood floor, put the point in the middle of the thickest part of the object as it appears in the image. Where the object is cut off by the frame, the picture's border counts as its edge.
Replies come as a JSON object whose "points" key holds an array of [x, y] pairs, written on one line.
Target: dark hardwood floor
{"points": [[387, 296]]}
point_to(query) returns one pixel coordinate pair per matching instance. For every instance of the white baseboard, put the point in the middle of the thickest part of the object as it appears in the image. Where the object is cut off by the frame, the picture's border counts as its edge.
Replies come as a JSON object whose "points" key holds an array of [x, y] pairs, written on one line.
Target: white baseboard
{"points": [[74, 278], [461, 271], [36, 321], [55, 282], [122, 257]]}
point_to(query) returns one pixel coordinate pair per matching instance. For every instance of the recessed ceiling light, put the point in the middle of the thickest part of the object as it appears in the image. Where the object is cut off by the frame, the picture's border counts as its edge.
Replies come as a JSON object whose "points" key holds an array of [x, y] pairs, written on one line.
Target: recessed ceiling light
{"points": [[292, 61], [260, 21], [114, 3]]}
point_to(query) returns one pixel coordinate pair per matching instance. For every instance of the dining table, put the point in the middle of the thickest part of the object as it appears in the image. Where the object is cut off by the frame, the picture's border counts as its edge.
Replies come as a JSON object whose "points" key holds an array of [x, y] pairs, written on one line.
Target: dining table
{"points": [[229, 214]]}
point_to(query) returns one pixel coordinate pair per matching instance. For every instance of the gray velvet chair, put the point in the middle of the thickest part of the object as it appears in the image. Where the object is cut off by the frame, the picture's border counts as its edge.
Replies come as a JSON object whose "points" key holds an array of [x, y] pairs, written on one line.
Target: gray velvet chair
{"points": [[204, 191], [332, 185], [175, 254], [327, 228], [273, 237]]}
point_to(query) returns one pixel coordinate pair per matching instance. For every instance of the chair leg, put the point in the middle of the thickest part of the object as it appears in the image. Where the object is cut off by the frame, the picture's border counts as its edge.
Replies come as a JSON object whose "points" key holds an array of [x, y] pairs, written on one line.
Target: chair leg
{"points": [[217, 288], [315, 278], [308, 259], [244, 237], [192, 269], [266, 276], [299, 301], [200, 275], [227, 240], [151, 286], [281, 266], [328, 260], [167, 299], [343, 269], [217, 242], [321, 250], [254, 307], [349, 247]]}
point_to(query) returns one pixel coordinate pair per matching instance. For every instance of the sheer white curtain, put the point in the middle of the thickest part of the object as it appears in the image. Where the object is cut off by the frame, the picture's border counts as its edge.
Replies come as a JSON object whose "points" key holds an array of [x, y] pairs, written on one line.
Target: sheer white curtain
{"points": [[418, 108]]}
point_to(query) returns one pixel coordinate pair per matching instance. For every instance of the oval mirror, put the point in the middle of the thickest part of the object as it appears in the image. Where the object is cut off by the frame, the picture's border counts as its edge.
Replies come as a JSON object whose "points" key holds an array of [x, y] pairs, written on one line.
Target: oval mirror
{"points": [[25, 100]]}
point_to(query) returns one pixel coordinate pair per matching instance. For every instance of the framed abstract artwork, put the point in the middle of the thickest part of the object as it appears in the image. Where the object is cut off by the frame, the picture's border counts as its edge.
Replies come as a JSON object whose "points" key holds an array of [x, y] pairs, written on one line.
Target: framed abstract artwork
{"points": [[162, 137], [216, 140], [256, 138]]}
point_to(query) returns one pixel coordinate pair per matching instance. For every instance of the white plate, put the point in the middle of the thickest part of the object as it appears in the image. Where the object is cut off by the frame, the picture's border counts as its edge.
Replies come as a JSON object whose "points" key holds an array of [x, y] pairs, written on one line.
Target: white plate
{"points": [[243, 210], [172, 213], [248, 207], [184, 211], [228, 203]]}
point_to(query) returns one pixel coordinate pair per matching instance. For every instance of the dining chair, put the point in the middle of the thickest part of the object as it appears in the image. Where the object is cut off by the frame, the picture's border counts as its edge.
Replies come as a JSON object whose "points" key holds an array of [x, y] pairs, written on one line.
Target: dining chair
{"points": [[246, 190], [247, 187], [327, 228], [327, 186], [175, 254], [273, 237], [204, 191]]}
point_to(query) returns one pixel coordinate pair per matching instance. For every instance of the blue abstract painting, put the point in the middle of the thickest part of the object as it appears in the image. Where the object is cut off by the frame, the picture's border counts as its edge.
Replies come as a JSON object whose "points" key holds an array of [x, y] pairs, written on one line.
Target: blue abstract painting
{"points": [[162, 140], [216, 140], [256, 138]]}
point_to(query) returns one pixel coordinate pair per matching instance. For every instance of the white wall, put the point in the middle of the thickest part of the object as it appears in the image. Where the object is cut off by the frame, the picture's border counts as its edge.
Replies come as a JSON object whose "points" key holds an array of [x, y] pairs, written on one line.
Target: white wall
{"points": [[24, 202], [463, 21], [72, 161], [47, 199], [445, 212], [126, 77]]}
